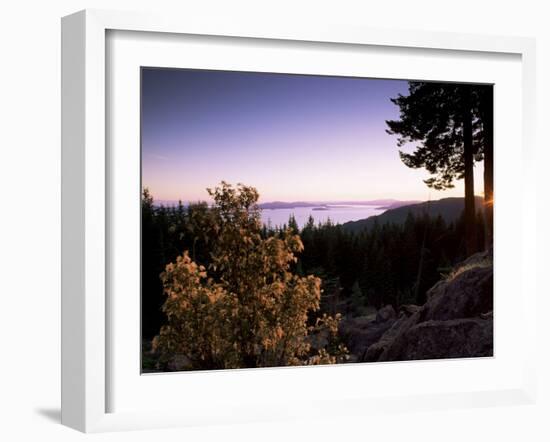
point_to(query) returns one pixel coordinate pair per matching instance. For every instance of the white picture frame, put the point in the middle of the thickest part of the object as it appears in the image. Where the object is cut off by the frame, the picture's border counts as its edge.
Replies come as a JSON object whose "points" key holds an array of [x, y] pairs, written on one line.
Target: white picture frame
{"points": [[86, 315]]}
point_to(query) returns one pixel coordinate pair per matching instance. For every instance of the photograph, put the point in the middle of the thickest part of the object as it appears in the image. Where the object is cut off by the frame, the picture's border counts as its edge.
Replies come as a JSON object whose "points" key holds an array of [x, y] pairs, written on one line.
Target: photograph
{"points": [[301, 220]]}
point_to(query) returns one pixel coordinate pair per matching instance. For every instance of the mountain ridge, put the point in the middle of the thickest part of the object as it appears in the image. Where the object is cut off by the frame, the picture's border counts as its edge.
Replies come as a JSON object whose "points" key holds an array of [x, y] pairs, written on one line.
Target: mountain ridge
{"points": [[449, 208]]}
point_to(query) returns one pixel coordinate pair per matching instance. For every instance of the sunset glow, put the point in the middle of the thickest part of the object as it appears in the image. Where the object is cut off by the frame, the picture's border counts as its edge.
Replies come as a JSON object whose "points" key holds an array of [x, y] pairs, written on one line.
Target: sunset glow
{"points": [[293, 137]]}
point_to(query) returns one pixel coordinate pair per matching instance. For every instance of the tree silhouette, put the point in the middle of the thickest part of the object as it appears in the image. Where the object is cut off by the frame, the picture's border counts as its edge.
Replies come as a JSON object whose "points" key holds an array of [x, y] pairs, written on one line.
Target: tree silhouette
{"points": [[485, 100], [452, 126]]}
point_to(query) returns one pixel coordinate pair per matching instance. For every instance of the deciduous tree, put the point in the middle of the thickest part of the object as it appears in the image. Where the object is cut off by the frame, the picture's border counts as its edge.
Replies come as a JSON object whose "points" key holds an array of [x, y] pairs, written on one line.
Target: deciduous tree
{"points": [[246, 308]]}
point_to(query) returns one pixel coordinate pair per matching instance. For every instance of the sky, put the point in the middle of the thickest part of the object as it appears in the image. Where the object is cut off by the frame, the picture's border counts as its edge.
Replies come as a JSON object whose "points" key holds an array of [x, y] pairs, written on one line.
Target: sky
{"points": [[293, 137]]}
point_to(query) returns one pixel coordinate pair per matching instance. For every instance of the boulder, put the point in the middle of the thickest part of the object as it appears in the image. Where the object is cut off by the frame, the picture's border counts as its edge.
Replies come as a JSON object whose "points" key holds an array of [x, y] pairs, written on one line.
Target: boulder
{"points": [[359, 333], [477, 259], [400, 326], [467, 295], [179, 362], [455, 322], [386, 313], [409, 309], [455, 338]]}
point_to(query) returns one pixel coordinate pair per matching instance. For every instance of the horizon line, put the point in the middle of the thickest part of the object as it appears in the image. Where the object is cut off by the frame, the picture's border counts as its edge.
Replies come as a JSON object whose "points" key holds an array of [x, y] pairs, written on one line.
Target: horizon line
{"points": [[331, 201]]}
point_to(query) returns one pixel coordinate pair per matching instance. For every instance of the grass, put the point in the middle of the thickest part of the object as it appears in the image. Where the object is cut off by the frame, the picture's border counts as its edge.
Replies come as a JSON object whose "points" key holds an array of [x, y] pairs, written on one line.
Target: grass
{"points": [[483, 263]]}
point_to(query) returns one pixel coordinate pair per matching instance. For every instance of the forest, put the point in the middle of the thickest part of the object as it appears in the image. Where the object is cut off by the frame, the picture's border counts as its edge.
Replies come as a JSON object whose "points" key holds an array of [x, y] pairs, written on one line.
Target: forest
{"points": [[360, 272]]}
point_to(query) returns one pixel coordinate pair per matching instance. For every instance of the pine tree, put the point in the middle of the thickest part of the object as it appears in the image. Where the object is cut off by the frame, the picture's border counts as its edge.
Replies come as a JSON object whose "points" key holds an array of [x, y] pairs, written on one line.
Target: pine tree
{"points": [[447, 121]]}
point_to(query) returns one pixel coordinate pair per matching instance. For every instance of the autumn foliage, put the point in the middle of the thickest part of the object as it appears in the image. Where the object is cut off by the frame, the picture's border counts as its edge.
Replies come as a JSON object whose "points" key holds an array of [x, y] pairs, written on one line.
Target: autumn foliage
{"points": [[246, 307]]}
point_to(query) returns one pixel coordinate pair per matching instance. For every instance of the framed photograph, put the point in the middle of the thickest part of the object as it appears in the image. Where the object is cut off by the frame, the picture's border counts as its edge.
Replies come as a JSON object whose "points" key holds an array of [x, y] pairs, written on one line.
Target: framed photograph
{"points": [[277, 222]]}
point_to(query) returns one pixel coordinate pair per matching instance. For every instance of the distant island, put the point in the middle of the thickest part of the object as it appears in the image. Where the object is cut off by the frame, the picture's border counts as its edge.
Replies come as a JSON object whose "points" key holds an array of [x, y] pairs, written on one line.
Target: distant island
{"points": [[379, 204], [389, 210], [382, 204]]}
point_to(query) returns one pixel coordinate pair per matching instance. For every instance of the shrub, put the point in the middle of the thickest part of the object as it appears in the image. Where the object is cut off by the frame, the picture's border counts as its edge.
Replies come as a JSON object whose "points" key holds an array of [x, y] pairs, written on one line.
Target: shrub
{"points": [[246, 308]]}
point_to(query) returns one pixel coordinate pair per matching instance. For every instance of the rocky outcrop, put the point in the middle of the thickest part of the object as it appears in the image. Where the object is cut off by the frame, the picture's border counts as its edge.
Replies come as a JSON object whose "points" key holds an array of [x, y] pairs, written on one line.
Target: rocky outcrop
{"points": [[402, 324], [468, 295], [455, 322], [385, 314], [455, 338], [360, 333]]}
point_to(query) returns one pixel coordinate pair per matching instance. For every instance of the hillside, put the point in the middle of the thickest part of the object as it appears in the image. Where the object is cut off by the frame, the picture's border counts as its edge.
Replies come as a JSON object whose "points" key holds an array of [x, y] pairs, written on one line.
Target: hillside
{"points": [[450, 210]]}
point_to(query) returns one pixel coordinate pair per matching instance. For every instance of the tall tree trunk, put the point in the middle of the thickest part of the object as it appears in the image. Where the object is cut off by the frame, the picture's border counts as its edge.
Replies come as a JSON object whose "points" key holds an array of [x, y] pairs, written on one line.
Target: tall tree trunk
{"points": [[488, 138], [469, 200]]}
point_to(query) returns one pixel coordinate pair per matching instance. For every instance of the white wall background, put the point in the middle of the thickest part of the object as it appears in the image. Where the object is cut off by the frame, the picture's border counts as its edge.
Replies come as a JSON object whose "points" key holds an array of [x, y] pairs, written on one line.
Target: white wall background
{"points": [[30, 215]]}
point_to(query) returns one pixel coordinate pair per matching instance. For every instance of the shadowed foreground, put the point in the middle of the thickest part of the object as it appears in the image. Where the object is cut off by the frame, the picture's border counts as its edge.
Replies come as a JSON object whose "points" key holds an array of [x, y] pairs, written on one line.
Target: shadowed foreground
{"points": [[455, 322]]}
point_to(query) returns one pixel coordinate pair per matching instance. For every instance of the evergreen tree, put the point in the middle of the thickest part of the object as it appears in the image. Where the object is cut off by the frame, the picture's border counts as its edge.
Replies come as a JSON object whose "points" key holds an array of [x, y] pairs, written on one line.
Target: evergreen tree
{"points": [[447, 122]]}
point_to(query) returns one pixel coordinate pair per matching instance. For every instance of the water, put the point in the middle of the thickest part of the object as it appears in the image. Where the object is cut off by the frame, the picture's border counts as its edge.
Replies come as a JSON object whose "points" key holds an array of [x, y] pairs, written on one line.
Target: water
{"points": [[337, 214]]}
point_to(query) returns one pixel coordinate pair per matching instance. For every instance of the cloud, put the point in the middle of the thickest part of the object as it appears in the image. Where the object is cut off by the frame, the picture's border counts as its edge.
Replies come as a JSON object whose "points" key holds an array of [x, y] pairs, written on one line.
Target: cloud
{"points": [[157, 157]]}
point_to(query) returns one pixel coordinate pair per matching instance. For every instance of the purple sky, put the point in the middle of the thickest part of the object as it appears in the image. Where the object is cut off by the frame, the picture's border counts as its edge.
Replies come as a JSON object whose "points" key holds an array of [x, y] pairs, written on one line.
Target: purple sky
{"points": [[293, 137]]}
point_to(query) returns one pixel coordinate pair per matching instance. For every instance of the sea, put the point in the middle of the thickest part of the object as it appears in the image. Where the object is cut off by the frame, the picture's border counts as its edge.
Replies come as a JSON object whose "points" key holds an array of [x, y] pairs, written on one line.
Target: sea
{"points": [[338, 214]]}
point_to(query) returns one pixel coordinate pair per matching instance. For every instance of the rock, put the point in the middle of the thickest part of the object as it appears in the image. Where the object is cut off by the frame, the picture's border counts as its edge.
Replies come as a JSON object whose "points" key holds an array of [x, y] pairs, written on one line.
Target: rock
{"points": [[398, 327], [455, 322], [435, 289], [385, 314], [179, 362], [477, 259], [409, 309], [359, 333], [456, 338], [466, 296]]}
